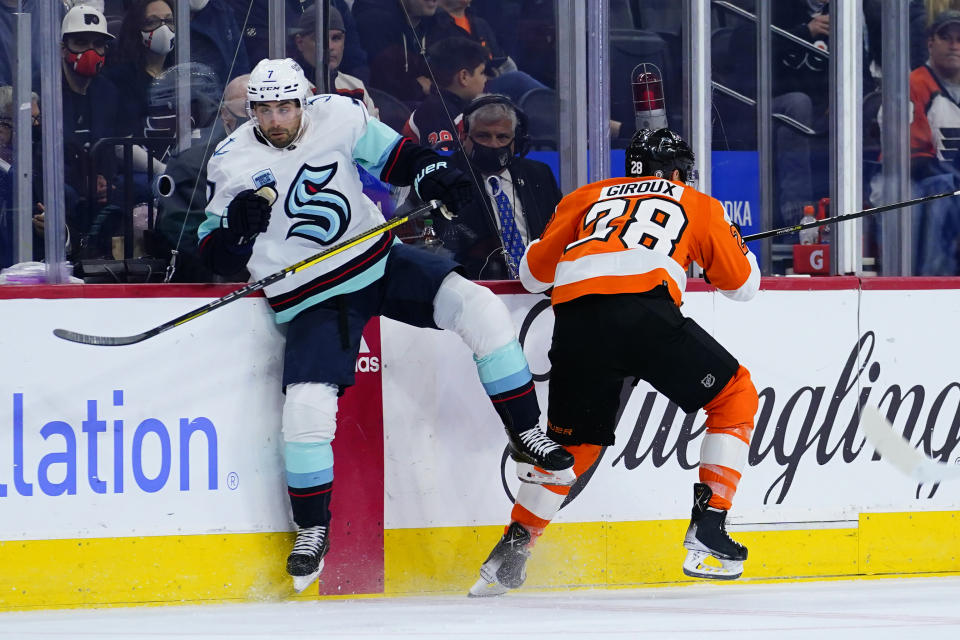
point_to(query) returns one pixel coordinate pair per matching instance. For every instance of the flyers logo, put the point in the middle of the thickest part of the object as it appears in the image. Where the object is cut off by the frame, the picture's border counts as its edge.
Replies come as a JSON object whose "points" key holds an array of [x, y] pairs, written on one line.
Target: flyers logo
{"points": [[736, 236], [322, 215]]}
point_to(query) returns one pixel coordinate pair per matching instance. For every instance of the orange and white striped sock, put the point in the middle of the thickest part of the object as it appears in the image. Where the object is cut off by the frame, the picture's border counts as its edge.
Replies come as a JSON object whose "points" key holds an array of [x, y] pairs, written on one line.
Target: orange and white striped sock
{"points": [[537, 504], [723, 453]]}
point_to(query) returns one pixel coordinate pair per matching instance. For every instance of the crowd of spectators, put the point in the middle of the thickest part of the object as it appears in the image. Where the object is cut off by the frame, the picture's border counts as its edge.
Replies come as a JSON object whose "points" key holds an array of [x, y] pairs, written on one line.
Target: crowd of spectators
{"points": [[119, 117], [416, 64]]}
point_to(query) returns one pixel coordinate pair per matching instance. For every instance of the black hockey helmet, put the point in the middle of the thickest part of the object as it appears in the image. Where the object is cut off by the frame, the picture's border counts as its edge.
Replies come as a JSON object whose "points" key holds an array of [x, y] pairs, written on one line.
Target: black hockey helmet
{"points": [[658, 153]]}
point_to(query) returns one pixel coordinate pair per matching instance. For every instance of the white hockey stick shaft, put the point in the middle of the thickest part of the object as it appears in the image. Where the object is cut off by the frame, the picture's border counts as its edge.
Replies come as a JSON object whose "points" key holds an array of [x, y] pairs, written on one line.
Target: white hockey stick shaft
{"points": [[900, 453]]}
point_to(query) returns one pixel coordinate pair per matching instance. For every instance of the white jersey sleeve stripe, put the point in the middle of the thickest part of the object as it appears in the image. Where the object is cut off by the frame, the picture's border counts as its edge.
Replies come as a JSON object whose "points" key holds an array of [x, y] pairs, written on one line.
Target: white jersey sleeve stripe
{"points": [[620, 263], [529, 282], [748, 289]]}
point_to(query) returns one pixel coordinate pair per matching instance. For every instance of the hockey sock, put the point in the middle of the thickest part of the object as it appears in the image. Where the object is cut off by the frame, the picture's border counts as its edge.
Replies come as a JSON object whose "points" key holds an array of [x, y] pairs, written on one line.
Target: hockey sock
{"points": [[537, 504], [309, 481], [723, 453], [506, 379]]}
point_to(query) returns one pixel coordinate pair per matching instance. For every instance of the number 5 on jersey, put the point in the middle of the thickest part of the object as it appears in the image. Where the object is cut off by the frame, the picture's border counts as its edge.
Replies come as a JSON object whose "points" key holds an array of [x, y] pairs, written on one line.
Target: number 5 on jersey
{"points": [[653, 223]]}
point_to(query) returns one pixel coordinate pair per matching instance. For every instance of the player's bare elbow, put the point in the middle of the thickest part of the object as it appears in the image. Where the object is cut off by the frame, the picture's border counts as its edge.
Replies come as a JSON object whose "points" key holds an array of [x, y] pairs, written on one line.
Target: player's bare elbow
{"points": [[749, 288]]}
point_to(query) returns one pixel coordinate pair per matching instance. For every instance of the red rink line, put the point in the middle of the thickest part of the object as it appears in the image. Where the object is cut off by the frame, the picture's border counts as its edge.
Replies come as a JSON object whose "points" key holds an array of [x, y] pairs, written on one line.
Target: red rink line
{"points": [[781, 283], [838, 283]]}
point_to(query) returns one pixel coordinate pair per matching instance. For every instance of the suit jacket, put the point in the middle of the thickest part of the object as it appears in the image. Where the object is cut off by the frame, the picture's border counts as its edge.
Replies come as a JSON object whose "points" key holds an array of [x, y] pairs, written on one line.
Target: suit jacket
{"points": [[473, 236]]}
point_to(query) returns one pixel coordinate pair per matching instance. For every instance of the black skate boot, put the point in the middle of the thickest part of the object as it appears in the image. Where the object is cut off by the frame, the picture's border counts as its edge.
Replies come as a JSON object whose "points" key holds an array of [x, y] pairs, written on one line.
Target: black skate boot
{"points": [[506, 566], [305, 562], [707, 537], [539, 459]]}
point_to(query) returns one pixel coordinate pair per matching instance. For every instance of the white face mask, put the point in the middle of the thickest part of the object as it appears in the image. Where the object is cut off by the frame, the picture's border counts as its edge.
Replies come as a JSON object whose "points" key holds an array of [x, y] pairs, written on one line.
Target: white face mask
{"points": [[197, 5], [160, 40]]}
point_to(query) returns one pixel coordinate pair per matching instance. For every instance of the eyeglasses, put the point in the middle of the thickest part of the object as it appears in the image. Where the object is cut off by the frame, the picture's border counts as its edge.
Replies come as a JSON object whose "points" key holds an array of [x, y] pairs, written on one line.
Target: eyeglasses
{"points": [[153, 23]]}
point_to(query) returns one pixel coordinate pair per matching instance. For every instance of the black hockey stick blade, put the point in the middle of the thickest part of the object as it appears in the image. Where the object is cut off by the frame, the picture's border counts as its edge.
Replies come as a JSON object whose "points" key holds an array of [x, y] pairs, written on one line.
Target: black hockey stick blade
{"points": [[900, 453], [83, 338], [847, 216], [119, 341]]}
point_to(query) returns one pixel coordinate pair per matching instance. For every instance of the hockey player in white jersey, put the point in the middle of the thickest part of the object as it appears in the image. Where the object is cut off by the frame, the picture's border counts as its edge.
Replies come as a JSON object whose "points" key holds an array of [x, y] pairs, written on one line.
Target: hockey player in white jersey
{"points": [[306, 149]]}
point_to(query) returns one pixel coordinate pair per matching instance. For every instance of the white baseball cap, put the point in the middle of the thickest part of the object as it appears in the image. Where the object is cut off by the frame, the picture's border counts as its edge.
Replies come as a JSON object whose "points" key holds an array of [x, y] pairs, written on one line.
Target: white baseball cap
{"points": [[84, 19]]}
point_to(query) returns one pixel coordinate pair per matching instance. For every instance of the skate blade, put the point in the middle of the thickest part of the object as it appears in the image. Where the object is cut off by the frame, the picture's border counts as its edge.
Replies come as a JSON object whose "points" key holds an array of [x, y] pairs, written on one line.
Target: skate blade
{"points": [[483, 588], [696, 566], [302, 582], [530, 474]]}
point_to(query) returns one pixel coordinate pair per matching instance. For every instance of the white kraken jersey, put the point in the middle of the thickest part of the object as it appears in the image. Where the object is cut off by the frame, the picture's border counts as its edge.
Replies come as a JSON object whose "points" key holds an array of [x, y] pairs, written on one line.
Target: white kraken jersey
{"points": [[320, 200]]}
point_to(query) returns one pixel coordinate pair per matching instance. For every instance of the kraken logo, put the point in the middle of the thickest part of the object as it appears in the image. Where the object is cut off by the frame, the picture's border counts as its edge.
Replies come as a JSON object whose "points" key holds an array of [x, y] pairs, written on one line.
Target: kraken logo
{"points": [[322, 215]]}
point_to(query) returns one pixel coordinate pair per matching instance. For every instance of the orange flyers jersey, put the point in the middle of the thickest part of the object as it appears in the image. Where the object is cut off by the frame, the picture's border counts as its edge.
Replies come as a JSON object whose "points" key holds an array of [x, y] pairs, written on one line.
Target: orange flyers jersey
{"points": [[935, 126], [630, 235]]}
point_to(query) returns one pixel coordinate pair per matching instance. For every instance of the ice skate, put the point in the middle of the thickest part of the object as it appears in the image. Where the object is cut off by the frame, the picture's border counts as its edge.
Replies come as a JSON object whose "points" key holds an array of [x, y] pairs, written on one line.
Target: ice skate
{"points": [[707, 539], [539, 459], [506, 566], [305, 562]]}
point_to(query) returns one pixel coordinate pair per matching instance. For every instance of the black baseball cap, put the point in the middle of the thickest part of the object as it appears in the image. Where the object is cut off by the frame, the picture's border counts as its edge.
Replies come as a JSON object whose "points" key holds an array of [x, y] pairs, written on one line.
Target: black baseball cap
{"points": [[942, 19]]}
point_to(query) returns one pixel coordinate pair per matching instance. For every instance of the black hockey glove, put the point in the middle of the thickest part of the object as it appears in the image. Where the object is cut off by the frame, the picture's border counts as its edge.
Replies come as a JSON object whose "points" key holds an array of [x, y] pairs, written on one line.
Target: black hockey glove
{"points": [[248, 214], [439, 180]]}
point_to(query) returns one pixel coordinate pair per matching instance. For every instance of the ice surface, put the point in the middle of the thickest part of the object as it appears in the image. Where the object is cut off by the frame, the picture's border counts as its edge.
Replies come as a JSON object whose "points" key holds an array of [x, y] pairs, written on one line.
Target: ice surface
{"points": [[875, 609]]}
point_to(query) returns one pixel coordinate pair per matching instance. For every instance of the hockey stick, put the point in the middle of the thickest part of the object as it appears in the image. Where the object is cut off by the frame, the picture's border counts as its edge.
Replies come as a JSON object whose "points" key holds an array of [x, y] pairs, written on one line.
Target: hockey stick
{"points": [[900, 453], [113, 341], [847, 216]]}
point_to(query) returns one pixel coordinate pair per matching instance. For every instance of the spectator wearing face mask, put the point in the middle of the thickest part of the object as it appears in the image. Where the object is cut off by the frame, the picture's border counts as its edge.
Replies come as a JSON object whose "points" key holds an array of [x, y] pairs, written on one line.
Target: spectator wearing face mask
{"points": [[143, 51], [91, 102], [513, 198]]}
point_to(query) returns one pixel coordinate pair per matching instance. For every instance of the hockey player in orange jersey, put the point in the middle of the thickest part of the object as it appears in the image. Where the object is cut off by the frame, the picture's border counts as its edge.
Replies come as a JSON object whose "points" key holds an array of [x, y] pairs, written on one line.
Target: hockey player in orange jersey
{"points": [[616, 253]]}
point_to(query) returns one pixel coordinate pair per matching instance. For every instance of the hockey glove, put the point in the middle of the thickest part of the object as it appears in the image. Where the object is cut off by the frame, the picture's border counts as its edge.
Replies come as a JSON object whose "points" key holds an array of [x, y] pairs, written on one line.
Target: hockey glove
{"points": [[248, 214], [439, 180]]}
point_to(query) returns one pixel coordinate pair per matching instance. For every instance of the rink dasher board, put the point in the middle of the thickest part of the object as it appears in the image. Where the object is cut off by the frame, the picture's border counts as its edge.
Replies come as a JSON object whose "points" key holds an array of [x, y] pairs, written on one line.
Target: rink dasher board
{"points": [[175, 435], [811, 354], [442, 490]]}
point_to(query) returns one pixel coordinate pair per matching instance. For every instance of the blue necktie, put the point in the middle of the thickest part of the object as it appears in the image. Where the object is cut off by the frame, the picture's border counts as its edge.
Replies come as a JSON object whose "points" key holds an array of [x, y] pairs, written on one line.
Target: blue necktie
{"points": [[512, 241]]}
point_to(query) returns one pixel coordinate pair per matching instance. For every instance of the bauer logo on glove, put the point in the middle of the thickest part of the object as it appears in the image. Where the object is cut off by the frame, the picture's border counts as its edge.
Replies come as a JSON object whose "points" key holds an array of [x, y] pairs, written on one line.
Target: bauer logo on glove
{"points": [[439, 181]]}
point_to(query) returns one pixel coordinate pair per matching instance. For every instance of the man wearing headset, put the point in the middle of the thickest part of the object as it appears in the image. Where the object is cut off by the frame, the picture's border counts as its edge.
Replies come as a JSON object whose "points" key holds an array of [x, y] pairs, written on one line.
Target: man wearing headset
{"points": [[513, 198]]}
